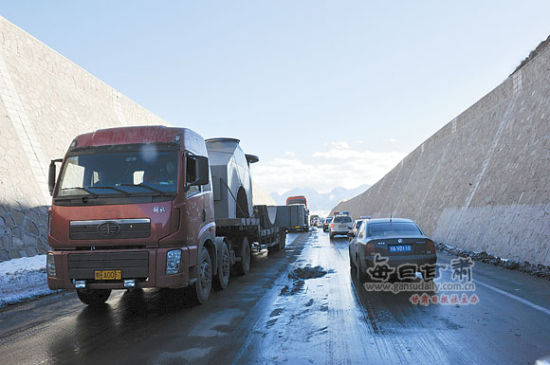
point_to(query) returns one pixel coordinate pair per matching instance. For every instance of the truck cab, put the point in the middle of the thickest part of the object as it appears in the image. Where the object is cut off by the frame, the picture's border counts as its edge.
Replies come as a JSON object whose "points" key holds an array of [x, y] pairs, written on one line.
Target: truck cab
{"points": [[132, 208]]}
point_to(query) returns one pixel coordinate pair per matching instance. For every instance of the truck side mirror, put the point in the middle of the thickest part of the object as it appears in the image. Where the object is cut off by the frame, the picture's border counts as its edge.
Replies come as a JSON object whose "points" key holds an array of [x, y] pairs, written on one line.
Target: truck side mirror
{"points": [[51, 175], [203, 171], [197, 172]]}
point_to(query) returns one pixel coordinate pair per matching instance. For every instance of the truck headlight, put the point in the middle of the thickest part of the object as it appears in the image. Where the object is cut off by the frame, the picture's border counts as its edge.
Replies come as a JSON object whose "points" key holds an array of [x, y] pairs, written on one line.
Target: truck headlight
{"points": [[173, 260], [50, 264]]}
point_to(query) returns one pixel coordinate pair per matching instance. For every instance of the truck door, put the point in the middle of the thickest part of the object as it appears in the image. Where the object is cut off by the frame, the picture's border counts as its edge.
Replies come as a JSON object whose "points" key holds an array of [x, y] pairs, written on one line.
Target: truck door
{"points": [[197, 211]]}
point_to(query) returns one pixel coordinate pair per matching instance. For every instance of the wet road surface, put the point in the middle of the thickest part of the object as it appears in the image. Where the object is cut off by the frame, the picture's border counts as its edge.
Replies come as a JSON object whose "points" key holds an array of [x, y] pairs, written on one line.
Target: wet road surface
{"points": [[269, 317]]}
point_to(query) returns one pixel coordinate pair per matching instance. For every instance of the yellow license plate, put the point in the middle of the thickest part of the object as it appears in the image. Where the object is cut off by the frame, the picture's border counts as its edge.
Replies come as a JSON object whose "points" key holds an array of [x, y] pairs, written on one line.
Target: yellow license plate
{"points": [[108, 274]]}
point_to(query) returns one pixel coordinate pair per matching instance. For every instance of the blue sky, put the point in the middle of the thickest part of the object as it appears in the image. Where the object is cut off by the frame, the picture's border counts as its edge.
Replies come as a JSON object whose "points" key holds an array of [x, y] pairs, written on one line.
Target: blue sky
{"points": [[327, 93]]}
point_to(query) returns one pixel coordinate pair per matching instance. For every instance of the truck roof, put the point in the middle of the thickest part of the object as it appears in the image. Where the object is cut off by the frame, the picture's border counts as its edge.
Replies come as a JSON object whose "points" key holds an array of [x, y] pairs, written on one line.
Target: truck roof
{"points": [[130, 135]]}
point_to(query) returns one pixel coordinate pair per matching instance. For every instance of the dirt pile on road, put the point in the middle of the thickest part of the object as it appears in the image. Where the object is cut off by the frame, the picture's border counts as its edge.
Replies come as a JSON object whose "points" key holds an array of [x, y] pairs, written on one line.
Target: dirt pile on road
{"points": [[307, 272], [300, 274]]}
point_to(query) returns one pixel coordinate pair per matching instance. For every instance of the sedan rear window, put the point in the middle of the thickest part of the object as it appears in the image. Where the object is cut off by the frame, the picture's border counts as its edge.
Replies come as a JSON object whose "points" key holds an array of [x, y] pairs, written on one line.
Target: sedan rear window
{"points": [[393, 229], [342, 220]]}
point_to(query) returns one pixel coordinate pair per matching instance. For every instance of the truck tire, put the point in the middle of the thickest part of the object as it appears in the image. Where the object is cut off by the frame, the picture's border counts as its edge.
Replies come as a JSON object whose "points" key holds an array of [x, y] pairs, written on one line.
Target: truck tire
{"points": [[273, 249], [243, 266], [282, 240], [93, 297], [224, 268], [203, 285]]}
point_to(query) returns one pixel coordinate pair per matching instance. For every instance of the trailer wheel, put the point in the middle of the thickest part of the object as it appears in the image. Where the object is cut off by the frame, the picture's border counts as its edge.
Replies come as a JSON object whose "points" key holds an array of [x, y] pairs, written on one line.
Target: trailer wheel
{"points": [[243, 266], [224, 269], [203, 285], [93, 297], [282, 240]]}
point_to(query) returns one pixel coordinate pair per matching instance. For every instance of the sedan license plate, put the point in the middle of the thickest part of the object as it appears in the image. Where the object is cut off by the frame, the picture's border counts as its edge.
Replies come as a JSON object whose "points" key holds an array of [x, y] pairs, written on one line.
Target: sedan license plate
{"points": [[401, 248], [108, 274]]}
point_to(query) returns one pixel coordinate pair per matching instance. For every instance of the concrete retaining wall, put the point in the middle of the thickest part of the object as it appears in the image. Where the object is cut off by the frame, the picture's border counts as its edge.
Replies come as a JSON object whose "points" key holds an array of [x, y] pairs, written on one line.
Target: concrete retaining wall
{"points": [[482, 182], [45, 101]]}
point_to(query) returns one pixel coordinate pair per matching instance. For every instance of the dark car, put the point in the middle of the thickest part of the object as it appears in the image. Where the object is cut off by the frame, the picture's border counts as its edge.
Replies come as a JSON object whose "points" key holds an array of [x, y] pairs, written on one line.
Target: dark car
{"points": [[327, 223], [395, 242]]}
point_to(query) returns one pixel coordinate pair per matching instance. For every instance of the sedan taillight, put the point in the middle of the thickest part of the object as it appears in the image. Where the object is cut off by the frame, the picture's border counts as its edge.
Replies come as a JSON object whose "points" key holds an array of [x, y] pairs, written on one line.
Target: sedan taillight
{"points": [[369, 249], [430, 247]]}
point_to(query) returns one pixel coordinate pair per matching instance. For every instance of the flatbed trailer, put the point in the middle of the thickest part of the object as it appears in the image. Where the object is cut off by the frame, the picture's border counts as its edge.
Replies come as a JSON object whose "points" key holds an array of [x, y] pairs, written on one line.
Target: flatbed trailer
{"points": [[235, 229]]}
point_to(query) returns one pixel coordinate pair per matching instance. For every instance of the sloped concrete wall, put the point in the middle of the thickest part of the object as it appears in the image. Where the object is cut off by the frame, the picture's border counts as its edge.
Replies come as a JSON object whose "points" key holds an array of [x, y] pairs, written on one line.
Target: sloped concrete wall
{"points": [[45, 101], [482, 182]]}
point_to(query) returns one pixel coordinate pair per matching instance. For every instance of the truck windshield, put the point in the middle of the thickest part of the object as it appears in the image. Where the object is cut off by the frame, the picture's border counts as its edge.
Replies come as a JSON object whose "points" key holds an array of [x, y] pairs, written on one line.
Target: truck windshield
{"points": [[133, 170], [393, 229]]}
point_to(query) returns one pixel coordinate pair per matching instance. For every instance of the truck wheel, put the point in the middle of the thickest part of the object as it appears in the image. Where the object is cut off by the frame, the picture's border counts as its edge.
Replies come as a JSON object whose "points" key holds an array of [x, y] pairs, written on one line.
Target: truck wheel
{"points": [[93, 297], [281, 243], [274, 248], [203, 285], [224, 269], [243, 266], [282, 240]]}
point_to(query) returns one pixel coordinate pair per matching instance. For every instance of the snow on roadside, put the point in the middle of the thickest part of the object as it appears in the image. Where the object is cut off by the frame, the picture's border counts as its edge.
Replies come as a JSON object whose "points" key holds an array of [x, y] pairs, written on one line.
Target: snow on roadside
{"points": [[22, 279]]}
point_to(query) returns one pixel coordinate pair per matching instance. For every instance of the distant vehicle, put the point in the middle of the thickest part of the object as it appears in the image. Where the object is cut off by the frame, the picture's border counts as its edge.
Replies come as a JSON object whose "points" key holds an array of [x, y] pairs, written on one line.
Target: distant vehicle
{"points": [[313, 219], [320, 222], [298, 199], [400, 240], [292, 217], [326, 223], [340, 225]]}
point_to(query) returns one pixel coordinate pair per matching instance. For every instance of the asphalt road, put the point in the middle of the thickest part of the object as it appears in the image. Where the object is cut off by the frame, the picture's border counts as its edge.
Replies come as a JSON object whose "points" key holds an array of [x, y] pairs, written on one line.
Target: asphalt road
{"points": [[269, 317]]}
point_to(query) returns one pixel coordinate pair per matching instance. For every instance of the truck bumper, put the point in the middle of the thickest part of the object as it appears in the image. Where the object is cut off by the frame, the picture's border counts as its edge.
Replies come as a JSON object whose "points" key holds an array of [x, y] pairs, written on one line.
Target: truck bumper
{"points": [[154, 271]]}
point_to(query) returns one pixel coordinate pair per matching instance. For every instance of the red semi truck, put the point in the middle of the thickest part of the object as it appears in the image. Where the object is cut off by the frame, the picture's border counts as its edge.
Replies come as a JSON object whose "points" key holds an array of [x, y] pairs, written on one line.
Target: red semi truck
{"points": [[298, 199], [153, 207]]}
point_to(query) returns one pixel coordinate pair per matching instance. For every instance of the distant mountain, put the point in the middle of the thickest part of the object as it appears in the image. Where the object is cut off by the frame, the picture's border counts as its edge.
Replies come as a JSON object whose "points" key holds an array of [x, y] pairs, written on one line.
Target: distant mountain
{"points": [[320, 201]]}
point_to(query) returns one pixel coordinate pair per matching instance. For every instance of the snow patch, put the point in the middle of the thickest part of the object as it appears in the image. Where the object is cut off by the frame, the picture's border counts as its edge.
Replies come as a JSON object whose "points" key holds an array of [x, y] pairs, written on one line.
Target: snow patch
{"points": [[22, 279]]}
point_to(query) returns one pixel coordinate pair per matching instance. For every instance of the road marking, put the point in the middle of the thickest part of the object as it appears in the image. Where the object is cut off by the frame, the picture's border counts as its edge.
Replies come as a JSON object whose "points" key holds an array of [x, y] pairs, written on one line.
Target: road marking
{"points": [[515, 297]]}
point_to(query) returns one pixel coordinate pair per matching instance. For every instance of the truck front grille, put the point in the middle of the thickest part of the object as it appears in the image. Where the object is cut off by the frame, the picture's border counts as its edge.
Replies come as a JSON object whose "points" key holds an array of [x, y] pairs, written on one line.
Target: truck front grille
{"points": [[110, 229], [134, 264]]}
